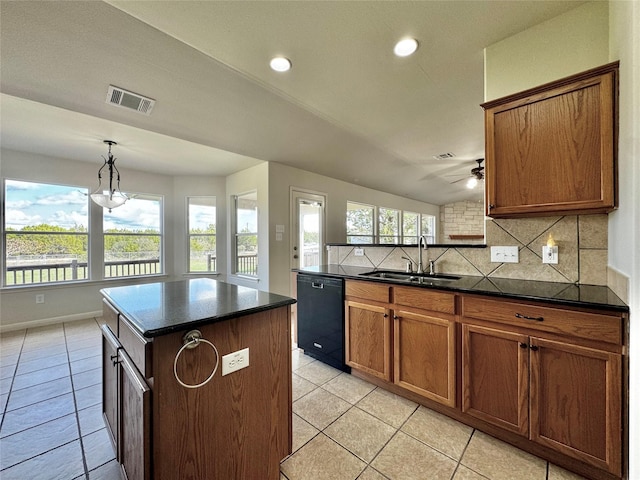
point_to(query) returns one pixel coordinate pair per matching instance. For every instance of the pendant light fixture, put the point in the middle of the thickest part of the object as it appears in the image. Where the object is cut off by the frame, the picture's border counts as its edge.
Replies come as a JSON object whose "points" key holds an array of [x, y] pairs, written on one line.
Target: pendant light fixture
{"points": [[114, 198]]}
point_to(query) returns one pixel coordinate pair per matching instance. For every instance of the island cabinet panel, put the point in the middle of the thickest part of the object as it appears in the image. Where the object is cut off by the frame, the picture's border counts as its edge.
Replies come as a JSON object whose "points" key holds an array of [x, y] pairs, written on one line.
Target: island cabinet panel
{"points": [[368, 338], [551, 150], [424, 355], [138, 347], [135, 412], [110, 347], [495, 371], [236, 426], [576, 402]]}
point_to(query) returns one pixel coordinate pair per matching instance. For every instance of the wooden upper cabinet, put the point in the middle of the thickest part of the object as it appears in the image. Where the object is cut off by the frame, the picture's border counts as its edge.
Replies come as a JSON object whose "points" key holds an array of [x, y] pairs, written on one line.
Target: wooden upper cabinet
{"points": [[551, 150]]}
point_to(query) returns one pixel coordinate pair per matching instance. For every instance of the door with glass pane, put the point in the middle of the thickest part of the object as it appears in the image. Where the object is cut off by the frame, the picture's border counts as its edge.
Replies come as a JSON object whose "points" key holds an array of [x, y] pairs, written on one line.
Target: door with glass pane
{"points": [[308, 229]]}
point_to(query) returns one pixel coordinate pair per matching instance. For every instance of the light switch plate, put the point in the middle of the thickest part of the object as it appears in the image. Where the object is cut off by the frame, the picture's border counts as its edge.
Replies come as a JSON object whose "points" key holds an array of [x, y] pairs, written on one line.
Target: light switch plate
{"points": [[358, 252], [505, 254], [550, 255]]}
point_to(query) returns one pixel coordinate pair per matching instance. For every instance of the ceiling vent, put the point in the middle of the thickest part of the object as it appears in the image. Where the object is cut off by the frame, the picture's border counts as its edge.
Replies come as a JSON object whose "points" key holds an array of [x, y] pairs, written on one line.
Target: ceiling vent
{"points": [[444, 156], [123, 98]]}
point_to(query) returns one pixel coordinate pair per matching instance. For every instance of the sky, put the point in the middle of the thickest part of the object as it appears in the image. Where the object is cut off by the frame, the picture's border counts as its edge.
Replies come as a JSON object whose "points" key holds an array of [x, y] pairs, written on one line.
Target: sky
{"points": [[28, 203]]}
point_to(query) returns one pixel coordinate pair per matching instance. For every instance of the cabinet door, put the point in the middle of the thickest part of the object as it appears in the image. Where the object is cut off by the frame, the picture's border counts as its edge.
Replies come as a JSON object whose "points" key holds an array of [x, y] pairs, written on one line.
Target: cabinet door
{"points": [[368, 338], [495, 377], [551, 150], [424, 355], [110, 346], [576, 402], [135, 416]]}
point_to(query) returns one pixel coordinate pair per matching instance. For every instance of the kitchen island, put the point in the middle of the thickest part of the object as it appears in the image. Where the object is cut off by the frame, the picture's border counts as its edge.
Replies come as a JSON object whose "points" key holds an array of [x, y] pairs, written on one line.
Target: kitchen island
{"points": [[174, 405]]}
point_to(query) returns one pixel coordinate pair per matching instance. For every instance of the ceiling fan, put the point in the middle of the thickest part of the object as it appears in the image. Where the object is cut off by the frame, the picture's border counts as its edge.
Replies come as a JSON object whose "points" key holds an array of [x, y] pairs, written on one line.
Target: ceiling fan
{"points": [[476, 175]]}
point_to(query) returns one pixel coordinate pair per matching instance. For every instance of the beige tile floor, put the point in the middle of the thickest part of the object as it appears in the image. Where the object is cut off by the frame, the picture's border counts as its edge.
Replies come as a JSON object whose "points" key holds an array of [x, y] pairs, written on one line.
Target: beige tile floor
{"points": [[51, 426]]}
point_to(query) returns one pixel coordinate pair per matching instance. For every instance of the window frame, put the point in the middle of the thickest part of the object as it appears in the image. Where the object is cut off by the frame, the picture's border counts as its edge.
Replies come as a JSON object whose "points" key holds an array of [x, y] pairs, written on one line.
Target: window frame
{"points": [[74, 266], [236, 235], [161, 261], [190, 235], [374, 224]]}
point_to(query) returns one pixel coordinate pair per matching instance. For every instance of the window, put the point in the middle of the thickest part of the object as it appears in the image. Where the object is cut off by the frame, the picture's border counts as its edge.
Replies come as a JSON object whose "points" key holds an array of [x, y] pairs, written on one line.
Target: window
{"points": [[201, 214], [360, 223], [246, 234], [388, 225], [393, 226], [410, 227], [133, 238], [46, 234], [428, 227]]}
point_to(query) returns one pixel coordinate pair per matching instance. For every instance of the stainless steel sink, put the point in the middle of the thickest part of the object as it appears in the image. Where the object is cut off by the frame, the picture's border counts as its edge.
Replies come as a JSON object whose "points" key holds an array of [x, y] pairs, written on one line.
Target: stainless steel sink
{"points": [[420, 278]]}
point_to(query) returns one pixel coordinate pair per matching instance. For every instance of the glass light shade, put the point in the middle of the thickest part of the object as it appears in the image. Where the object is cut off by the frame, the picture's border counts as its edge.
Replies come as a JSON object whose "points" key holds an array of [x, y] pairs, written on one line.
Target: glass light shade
{"points": [[280, 64], [405, 47], [108, 201], [472, 182]]}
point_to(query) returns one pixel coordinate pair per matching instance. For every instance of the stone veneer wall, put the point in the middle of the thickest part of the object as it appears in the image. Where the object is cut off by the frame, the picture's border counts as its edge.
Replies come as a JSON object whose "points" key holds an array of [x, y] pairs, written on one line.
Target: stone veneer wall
{"points": [[461, 218], [581, 239]]}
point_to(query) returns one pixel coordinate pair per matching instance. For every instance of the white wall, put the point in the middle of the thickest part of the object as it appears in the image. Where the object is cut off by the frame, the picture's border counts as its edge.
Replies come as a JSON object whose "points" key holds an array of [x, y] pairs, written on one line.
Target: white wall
{"points": [[624, 224], [570, 43], [65, 302]]}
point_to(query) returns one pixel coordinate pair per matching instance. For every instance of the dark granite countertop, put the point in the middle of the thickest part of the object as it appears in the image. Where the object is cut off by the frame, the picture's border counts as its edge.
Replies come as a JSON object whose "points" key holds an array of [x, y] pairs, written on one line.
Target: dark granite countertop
{"points": [[566, 294], [156, 309]]}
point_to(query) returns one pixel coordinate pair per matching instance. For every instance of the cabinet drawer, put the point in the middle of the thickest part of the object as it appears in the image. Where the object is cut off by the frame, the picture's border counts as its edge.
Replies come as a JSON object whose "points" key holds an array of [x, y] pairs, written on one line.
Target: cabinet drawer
{"points": [[378, 292], [425, 299], [592, 326], [110, 316], [138, 347]]}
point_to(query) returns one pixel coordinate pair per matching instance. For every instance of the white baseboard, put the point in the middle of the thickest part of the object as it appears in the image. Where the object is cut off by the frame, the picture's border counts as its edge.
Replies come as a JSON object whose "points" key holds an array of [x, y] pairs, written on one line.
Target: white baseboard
{"points": [[49, 321]]}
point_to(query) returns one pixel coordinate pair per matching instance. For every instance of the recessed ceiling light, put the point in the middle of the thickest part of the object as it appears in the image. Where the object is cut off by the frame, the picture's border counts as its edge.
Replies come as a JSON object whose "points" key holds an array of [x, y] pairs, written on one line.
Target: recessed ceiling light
{"points": [[405, 47], [280, 64]]}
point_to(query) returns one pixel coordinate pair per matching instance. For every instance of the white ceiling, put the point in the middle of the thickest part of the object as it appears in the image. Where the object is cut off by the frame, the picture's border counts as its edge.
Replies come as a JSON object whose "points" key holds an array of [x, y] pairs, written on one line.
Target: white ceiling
{"points": [[348, 109]]}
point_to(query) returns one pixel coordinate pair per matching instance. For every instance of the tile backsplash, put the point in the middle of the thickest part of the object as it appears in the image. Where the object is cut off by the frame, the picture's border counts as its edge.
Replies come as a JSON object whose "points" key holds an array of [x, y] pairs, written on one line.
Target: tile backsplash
{"points": [[581, 240]]}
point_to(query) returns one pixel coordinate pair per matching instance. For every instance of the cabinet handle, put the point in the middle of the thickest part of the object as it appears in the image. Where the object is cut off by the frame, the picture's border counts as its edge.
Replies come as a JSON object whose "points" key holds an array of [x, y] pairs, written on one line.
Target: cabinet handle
{"points": [[526, 317], [491, 206], [395, 317], [317, 285], [385, 315], [114, 359], [524, 345], [533, 347]]}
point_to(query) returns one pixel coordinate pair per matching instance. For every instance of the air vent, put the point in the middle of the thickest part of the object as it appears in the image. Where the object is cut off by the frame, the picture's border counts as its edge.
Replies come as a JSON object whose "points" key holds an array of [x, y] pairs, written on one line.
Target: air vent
{"points": [[123, 98], [444, 156]]}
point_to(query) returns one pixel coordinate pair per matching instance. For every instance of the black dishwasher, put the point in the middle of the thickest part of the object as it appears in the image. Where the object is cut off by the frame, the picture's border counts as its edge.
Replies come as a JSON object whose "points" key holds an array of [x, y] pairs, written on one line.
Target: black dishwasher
{"points": [[321, 318]]}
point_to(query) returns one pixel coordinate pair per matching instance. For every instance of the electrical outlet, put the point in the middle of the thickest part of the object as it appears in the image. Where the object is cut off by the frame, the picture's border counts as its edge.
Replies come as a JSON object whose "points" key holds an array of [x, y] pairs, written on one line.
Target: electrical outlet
{"points": [[235, 361], [40, 298], [505, 254], [358, 252]]}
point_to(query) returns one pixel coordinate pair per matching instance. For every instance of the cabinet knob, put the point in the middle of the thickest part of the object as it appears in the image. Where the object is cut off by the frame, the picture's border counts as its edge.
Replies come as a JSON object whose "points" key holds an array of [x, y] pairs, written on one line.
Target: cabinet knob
{"points": [[491, 205], [524, 345], [385, 315], [533, 347]]}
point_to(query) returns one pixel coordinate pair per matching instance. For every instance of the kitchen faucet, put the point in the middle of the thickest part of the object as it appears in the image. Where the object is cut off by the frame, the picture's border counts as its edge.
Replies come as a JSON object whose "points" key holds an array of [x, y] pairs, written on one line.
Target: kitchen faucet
{"points": [[421, 241]]}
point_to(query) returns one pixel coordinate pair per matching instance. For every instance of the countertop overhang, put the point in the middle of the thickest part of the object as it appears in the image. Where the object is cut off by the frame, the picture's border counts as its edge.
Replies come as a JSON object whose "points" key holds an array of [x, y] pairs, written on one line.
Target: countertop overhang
{"points": [[164, 307], [565, 294]]}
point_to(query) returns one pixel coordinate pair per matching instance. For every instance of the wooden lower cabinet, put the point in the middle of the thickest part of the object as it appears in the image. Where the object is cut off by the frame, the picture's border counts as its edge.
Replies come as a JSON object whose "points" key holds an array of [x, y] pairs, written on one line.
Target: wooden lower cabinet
{"points": [[424, 355], [110, 347], [495, 377], [576, 398], [561, 395], [126, 408], [135, 421], [368, 338]]}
